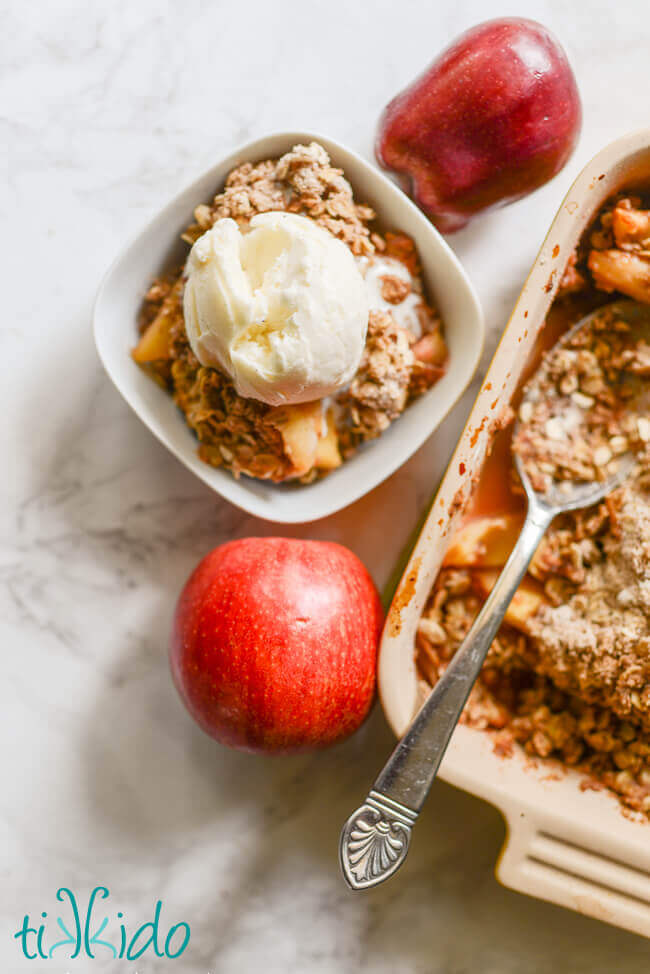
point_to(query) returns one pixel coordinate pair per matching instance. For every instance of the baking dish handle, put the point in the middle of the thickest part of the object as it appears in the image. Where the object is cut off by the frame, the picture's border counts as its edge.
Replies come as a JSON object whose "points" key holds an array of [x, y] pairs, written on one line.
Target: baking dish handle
{"points": [[563, 868]]}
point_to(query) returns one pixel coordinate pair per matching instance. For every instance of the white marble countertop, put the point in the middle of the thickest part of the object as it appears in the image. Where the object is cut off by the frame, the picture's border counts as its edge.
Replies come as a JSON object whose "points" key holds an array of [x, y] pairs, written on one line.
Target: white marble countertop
{"points": [[107, 110]]}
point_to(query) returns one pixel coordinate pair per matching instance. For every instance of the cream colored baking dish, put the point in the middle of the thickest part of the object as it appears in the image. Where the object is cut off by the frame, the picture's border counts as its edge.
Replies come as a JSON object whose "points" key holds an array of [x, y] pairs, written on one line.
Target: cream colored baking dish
{"points": [[569, 846]]}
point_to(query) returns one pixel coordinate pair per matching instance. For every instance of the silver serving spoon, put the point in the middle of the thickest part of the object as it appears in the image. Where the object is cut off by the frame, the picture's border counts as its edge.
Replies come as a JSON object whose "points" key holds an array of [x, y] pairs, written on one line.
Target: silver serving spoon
{"points": [[375, 839]]}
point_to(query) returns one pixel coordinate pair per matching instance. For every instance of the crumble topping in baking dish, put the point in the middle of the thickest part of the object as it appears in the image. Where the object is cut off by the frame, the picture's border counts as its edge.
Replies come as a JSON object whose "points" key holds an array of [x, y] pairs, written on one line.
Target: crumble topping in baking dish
{"points": [[568, 675], [596, 642], [404, 354], [588, 404]]}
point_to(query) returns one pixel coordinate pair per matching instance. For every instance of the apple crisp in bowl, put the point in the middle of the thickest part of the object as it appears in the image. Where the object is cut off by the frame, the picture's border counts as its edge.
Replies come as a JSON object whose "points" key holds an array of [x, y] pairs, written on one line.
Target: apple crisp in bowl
{"points": [[568, 675], [403, 354]]}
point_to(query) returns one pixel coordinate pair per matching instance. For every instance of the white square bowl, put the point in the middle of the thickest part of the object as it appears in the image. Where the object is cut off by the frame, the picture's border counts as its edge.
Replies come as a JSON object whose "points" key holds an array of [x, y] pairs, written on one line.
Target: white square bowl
{"points": [[158, 247]]}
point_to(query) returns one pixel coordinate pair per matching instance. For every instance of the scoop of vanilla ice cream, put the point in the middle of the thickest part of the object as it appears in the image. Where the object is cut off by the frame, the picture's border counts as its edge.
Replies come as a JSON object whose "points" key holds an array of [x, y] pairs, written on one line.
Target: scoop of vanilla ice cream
{"points": [[282, 308]]}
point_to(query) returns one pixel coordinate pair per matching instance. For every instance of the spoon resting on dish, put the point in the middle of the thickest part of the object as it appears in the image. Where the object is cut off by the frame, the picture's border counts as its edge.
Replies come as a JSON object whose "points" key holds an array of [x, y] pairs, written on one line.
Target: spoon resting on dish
{"points": [[548, 441]]}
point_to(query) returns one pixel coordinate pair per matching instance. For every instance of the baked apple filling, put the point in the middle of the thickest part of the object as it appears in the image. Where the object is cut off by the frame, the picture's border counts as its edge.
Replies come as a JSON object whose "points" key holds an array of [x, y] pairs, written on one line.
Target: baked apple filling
{"points": [[568, 675]]}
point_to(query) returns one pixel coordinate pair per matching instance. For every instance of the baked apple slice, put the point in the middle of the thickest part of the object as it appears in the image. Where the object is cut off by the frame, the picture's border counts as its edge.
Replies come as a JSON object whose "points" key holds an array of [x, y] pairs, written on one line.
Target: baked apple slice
{"points": [[484, 542], [527, 600], [616, 270], [310, 441], [300, 426], [631, 226], [154, 344], [328, 456]]}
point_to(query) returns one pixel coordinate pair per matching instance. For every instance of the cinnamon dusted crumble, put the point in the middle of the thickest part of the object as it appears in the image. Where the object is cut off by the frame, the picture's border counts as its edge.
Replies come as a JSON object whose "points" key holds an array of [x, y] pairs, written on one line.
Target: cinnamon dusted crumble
{"points": [[405, 351], [596, 642]]}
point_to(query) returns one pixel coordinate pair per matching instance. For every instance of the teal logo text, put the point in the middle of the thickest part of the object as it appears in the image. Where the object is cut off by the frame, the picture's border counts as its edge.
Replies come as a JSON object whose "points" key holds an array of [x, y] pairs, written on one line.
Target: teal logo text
{"points": [[93, 931]]}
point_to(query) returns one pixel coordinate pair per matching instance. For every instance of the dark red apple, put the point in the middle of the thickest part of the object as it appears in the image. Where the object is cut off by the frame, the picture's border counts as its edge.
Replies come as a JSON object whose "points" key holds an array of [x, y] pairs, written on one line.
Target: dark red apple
{"points": [[496, 116], [274, 643]]}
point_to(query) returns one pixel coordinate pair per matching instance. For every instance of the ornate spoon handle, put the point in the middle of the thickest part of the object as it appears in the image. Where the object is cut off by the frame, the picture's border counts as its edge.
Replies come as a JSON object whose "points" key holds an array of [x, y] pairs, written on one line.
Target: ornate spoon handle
{"points": [[375, 839]]}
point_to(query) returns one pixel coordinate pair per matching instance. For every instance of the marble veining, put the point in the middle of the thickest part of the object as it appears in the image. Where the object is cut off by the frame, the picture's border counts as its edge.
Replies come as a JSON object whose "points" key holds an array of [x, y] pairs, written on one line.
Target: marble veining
{"points": [[107, 110]]}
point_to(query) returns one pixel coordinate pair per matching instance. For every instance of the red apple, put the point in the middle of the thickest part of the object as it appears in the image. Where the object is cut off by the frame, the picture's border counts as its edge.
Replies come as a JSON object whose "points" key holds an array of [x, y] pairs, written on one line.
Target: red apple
{"points": [[494, 117], [274, 644]]}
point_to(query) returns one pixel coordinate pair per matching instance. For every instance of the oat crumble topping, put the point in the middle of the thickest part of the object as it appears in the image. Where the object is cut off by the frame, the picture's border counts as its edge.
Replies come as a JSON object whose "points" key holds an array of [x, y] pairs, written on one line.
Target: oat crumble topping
{"points": [[589, 403], [568, 675], [379, 391]]}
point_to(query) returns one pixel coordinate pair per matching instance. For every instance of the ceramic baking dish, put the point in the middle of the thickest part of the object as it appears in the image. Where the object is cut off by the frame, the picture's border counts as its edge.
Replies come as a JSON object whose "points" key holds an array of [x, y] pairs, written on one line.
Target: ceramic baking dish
{"points": [[158, 246], [569, 846]]}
